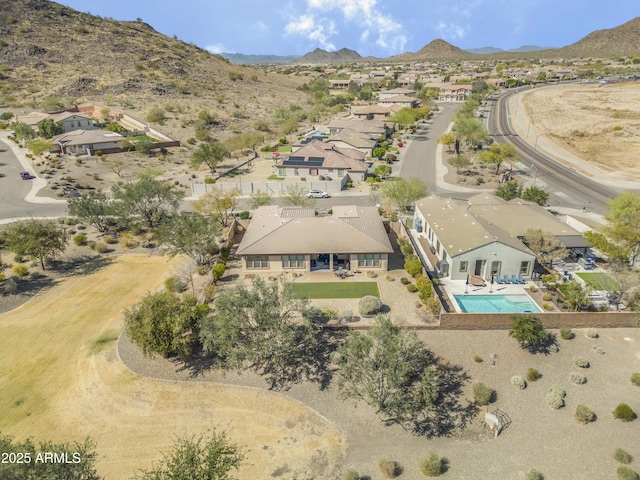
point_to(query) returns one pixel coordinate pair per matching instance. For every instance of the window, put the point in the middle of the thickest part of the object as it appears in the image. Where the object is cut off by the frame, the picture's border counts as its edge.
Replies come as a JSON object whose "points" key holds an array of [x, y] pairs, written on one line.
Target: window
{"points": [[369, 260], [340, 173], [292, 261], [296, 171], [313, 171], [524, 267], [464, 265], [282, 172], [496, 265], [257, 262]]}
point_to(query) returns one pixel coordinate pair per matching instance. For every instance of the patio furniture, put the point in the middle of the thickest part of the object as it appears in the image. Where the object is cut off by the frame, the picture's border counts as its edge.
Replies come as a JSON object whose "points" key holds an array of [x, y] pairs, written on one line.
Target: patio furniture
{"points": [[505, 279], [514, 279], [499, 280], [521, 280], [476, 280], [341, 273]]}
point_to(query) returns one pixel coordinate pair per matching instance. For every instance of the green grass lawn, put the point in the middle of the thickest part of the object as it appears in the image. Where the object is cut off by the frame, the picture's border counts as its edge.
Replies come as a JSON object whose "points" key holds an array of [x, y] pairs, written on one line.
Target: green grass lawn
{"points": [[336, 289], [274, 177], [598, 280]]}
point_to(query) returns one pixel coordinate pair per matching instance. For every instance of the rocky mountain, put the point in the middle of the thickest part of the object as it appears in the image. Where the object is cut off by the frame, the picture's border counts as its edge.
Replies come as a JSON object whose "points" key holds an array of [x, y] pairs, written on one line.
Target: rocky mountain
{"points": [[437, 50], [621, 40], [49, 50], [320, 56], [244, 59], [484, 50]]}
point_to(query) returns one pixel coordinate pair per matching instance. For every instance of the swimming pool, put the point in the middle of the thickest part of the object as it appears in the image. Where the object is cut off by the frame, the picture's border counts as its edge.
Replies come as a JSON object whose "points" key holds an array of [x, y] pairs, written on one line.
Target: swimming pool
{"points": [[496, 303]]}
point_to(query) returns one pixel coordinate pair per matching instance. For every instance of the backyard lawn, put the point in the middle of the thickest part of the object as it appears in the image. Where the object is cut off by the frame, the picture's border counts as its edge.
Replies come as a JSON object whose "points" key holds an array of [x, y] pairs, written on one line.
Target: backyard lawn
{"points": [[336, 289], [598, 280]]}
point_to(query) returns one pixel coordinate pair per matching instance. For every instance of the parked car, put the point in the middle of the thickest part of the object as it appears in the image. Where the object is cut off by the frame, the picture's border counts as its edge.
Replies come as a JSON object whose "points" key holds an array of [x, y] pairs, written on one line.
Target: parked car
{"points": [[25, 175], [318, 194]]}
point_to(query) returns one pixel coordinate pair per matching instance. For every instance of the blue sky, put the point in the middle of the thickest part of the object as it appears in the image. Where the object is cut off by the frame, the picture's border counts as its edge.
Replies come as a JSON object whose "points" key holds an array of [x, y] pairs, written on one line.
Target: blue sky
{"points": [[371, 27]]}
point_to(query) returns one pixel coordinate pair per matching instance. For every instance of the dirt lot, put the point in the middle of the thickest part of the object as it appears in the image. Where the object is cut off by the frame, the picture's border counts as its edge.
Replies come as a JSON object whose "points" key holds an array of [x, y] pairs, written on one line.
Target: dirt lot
{"points": [[599, 123]]}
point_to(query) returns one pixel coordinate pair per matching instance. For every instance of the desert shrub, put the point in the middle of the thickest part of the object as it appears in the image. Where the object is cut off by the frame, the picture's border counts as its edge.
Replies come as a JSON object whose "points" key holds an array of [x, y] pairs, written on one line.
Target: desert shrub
{"points": [[209, 180], [351, 474], [533, 288], [412, 288], [20, 270], [635, 379], [431, 466], [146, 243], [18, 258], [405, 281], [624, 412], [477, 359], [566, 333], [225, 252], [389, 278], [389, 468], [81, 227], [244, 215], [423, 283], [413, 267], [174, 284], [533, 375], [592, 333], [202, 270], [371, 274], [3, 277], [101, 247], [518, 381], [533, 474], [627, 473], [622, 456], [209, 292], [555, 397], [109, 240], [481, 393], [581, 362], [577, 378], [584, 414], [80, 239], [369, 305], [548, 306], [91, 244], [546, 297], [127, 240], [156, 115]]}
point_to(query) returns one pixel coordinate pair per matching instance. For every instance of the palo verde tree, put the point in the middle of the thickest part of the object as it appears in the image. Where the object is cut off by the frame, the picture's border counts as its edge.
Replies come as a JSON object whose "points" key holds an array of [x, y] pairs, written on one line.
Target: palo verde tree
{"points": [[460, 162], [192, 235], [623, 222], [218, 204], [211, 457], [447, 139], [48, 128], [296, 195], [163, 323], [93, 208], [38, 239], [535, 194], [263, 328], [402, 192], [509, 190], [39, 146], [209, 154], [498, 154], [391, 370], [23, 132], [148, 199], [545, 245]]}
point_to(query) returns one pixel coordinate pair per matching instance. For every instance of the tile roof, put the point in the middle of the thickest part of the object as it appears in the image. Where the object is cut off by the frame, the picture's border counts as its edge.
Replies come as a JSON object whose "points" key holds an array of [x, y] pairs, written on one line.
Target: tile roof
{"points": [[86, 137], [276, 230], [318, 154]]}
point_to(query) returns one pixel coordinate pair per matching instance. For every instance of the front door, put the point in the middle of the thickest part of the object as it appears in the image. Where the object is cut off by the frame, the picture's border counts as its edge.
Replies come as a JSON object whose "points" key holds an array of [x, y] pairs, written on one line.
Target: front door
{"points": [[479, 267]]}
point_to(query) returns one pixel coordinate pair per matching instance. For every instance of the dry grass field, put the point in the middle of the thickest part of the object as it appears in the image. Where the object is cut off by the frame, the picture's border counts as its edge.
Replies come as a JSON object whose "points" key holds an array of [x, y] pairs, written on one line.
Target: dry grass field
{"points": [[61, 379]]}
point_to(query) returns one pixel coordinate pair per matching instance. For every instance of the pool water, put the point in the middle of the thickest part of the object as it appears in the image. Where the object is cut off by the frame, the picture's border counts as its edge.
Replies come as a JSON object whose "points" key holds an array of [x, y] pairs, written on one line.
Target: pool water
{"points": [[496, 303]]}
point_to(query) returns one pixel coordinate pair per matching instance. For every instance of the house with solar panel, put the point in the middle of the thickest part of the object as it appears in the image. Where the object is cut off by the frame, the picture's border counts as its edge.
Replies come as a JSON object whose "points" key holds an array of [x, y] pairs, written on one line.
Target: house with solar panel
{"points": [[281, 239], [318, 160]]}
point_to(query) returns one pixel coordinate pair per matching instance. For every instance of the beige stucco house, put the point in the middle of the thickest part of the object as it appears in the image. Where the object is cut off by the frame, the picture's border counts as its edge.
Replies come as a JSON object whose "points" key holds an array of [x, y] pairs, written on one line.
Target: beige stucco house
{"points": [[86, 141], [295, 239]]}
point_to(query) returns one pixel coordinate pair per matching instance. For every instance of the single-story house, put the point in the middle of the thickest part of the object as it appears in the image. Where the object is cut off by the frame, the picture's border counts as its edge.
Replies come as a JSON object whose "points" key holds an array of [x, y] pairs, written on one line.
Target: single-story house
{"points": [[85, 141], [483, 235], [296, 239], [384, 94], [377, 127], [319, 158], [371, 112], [355, 140], [74, 121], [400, 100]]}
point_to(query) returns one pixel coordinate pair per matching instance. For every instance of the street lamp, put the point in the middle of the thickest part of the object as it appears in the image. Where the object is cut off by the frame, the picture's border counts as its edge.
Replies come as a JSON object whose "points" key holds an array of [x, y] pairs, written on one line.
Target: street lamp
{"points": [[535, 175], [533, 159]]}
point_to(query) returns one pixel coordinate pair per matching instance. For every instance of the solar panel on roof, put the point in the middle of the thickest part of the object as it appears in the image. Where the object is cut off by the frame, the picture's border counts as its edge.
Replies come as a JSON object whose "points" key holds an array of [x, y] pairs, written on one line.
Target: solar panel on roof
{"points": [[315, 161]]}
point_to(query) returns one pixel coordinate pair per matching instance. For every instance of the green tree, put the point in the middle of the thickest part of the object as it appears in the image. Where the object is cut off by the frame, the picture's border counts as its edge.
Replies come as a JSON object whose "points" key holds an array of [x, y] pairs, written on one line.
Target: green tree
{"points": [[218, 271], [509, 190], [48, 128], [623, 222], [81, 464], [577, 295], [198, 458], [209, 154], [258, 328], [52, 104], [93, 208], [156, 115], [382, 171], [192, 235], [460, 162], [163, 323], [37, 238], [296, 195], [528, 330], [497, 154], [545, 246], [148, 199], [259, 199], [23, 131], [38, 146], [469, 129], [145, 146], [405, 117], [535, 194], [447, 139], [402, 192], [218, 204], [391, 370]]}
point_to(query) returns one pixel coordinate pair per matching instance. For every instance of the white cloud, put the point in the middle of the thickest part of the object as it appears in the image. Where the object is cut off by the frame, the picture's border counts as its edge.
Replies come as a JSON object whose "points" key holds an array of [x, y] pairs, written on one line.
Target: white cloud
{"points": [[364, 16], [452, 31], [215, 48], [261, 27]]}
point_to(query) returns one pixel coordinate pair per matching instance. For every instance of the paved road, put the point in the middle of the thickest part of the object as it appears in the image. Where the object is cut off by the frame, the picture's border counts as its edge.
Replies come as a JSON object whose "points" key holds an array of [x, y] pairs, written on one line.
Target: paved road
{"points": [[14, 190], [567, 186]]}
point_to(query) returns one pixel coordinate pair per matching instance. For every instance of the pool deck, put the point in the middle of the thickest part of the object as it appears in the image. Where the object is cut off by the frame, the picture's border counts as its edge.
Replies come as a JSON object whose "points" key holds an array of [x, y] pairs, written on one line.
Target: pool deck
{"points": [[460, 287]]}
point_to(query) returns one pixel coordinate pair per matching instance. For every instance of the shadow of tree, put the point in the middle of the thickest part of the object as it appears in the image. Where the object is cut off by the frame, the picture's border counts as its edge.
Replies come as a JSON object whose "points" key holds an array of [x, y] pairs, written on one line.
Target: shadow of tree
{"points": [[545, 347], [27, 287], [448, 415], [80, 266]]}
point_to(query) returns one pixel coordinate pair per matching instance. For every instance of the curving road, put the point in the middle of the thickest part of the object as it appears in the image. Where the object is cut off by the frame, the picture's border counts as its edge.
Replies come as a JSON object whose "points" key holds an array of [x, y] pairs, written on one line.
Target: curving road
{"points": [[566, 186]]}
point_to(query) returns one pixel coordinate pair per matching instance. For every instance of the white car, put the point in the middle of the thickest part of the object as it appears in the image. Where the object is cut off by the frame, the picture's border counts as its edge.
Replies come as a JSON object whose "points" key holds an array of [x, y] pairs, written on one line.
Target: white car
{"points": [[318, 194]]}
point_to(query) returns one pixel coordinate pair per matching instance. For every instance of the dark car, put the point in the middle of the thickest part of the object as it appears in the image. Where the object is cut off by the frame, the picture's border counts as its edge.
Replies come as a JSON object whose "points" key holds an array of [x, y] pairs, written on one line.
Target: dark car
{"points": [[25, 176]]}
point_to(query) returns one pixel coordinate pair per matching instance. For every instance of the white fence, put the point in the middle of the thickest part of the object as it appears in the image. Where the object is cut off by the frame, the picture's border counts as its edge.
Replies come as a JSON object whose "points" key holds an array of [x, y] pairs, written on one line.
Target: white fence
{"points": [[276, 188]]}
